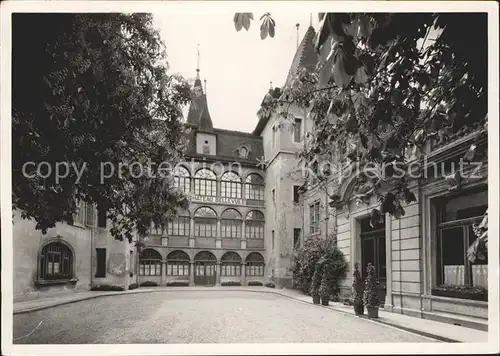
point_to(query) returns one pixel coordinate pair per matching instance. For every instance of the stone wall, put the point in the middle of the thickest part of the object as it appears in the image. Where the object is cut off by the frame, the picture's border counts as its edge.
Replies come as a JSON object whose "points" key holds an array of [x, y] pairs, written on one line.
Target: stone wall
{"points": [[27, 245]]}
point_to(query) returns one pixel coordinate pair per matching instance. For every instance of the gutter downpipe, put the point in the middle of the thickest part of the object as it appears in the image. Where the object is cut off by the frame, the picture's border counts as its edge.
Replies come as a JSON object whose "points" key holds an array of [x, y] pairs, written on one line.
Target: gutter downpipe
{"points": [[422, 249], [92, 243]]}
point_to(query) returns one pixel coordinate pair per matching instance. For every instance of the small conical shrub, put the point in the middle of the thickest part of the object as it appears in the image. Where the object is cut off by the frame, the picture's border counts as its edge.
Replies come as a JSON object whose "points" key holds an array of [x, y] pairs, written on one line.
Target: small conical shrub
{"points": [[357, 290], [370, 296], [316, 279]]}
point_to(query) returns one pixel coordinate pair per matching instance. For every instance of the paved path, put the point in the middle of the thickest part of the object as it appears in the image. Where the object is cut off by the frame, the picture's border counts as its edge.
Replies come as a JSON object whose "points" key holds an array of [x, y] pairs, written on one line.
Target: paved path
{"points": [[198, 317]]}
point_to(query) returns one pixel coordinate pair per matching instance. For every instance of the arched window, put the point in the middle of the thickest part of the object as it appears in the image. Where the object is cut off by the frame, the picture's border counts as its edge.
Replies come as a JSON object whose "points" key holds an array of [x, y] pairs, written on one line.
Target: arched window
{"points": [[179, 225], [150, 263], [230, 185], [231, 264], [254, 225], [205, 183], [205, 222], [255, 264], [254, 187], [182, 179], [177, 263], [56, 262], [205, 256], [230, 224]]}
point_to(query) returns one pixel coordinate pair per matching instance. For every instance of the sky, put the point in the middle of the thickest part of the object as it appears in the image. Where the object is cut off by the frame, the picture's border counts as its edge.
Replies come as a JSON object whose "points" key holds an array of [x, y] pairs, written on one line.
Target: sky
{"points": [[238, 66]]}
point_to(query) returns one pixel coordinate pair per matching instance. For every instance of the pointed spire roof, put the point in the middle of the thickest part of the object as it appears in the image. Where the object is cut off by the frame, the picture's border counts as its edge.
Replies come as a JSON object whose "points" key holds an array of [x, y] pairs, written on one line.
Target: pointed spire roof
{"points": [[198, 114], [305, 57]]}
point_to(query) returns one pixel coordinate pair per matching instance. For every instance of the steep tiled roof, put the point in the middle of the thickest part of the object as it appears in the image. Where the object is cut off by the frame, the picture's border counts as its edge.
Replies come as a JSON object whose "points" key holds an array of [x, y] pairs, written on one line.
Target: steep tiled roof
{"points": [[228, 143], [198, 114], [305, 57]]}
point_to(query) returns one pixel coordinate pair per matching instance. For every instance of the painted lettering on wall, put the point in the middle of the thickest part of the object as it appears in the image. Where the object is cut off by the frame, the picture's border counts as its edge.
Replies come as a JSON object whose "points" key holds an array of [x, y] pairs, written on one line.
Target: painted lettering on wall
{"points": [[220, 200]]}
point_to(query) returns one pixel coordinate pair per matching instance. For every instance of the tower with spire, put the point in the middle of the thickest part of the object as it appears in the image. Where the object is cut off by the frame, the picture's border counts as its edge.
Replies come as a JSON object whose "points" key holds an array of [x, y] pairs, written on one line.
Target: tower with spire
{"points": [[199, 115], [282, 140]]}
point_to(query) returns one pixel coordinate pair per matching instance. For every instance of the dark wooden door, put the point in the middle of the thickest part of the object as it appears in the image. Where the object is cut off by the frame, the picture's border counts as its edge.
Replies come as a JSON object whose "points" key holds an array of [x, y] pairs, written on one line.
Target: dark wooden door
{"points": [[373, 251], [204, 274]]}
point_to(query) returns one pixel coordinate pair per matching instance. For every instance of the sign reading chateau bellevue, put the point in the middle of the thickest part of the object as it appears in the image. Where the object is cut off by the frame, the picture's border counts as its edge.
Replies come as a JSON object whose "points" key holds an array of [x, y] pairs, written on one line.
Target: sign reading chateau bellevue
{"points": [[219, 200]]}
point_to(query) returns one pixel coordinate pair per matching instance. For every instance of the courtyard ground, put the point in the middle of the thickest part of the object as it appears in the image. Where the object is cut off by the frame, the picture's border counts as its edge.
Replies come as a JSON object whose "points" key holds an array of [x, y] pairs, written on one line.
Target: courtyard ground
{"points": [[198, 316]]}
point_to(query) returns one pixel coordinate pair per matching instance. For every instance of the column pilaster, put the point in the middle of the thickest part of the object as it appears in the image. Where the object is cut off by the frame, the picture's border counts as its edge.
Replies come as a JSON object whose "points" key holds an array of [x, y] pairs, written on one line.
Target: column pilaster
{"points": [[163, 273], [217, 274], [191, 273], [243, 274]]}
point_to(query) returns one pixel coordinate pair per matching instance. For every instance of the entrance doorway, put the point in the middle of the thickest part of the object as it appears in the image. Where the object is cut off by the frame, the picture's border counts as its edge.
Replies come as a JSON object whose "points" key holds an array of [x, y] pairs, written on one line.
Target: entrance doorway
{"points": [[373, 251], [204, 269]]}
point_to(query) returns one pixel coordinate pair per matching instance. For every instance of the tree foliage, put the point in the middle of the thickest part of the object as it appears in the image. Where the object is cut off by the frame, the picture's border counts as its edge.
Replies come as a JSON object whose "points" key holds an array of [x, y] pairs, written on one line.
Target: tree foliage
{"points": [[305, 261], [479, 248], [357, 286], [334, 270], [93, 88], [386, 83]]}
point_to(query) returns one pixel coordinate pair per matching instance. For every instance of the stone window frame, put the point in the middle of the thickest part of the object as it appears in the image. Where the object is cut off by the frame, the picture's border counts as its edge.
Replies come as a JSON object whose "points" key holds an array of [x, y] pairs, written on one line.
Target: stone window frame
{"points": [[314, 218], [209, 184], [230, 267], [255, 266], [247, 148], [234, 223], [201, 221], [182, 179], [231, 185], [41, 278], [254, 191], [175, 223], [150, 257], [465, 224], [254, 228], [180, 260]]}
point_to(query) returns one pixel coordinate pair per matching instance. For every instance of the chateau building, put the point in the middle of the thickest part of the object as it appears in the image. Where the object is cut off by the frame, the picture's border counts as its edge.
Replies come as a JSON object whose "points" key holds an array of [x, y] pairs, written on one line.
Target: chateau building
{"points": [[220, 237], [250, 206]]}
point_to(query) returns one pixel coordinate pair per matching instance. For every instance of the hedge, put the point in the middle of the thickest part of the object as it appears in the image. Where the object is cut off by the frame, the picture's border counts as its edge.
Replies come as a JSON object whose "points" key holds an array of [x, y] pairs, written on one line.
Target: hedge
{"points": [[231, 283], [255, 283], [178, 284], [149, 284]]}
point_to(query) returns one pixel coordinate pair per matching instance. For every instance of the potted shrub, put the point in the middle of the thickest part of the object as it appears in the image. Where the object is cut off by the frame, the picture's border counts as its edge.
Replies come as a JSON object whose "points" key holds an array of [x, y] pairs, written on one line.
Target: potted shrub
{"points": [[357, 291], [334, 269], [305, 260], [255, 283], [325, 289], [370, 295], [316, 281]]}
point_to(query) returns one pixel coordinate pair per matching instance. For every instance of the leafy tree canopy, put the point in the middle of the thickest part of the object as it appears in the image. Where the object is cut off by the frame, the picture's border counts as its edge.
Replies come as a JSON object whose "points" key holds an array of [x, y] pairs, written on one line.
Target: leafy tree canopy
{"points": [[386, 82], [92, 89]]}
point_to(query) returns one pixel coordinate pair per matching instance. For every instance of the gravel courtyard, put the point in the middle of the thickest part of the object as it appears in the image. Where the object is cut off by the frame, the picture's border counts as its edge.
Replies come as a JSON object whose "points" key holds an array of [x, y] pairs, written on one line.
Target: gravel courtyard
{"points": [[198, 317]]}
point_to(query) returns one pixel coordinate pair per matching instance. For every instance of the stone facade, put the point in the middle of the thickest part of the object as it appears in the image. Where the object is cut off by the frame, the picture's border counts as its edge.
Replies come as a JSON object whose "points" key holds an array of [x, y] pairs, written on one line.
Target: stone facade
{"points": [[30, 247]]}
